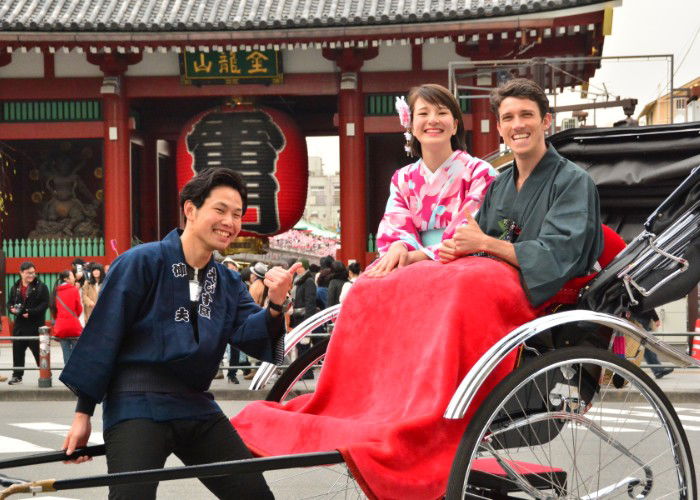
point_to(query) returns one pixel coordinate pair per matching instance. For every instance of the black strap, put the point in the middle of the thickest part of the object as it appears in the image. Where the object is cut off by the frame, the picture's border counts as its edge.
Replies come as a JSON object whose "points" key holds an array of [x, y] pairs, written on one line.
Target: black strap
{"points": [[58, 298]]}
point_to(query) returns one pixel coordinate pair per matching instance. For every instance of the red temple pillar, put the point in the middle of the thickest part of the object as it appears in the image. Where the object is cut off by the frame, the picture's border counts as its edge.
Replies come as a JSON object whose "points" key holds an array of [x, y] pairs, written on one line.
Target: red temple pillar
{"points": [[117, 158], [485, 137], [351, 132]]}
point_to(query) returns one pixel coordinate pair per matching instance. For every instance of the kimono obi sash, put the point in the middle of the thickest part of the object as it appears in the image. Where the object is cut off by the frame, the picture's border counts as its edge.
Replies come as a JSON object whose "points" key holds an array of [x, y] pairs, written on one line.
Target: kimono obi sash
{"points": [[431, 237]]}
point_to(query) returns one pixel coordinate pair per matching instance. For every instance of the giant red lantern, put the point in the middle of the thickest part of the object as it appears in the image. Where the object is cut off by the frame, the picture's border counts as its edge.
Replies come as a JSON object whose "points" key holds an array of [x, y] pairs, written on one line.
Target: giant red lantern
{"points": [[262, 144]]}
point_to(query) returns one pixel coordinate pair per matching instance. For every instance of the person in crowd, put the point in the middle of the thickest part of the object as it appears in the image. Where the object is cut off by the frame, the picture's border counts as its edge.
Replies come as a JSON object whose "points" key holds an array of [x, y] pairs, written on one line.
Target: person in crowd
{"points": [[257, 285], [353, 274], [230, 263], [428, 198], [314, 268], [246, 276], [651, 322], [305, 304], [91, 288], [155, 340], [322, 279], [66, 308], [542, 215], [79, 271], [27, 301], [304, 298], [339, 277], [259, 291], [235, 356]]}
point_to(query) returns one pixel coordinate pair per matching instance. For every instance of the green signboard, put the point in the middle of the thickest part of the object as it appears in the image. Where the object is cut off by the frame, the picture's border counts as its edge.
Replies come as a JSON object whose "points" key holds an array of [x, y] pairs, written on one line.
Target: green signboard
{"points": [[256, 66]]}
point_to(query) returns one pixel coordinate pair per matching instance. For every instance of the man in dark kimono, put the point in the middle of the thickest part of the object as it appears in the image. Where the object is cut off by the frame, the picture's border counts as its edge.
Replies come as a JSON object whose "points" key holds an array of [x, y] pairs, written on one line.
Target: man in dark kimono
{"points": [[541, 215], [155, 338]]}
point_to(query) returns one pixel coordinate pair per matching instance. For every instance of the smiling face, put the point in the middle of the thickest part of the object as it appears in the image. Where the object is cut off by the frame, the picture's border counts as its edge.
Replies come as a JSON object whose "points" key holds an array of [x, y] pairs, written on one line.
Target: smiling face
{"points": [[218, 221], [522, 126], [433, 126]]}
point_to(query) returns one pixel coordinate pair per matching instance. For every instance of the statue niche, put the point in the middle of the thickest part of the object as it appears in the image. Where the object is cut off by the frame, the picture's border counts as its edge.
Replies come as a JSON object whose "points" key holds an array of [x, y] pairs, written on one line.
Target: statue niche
{"points": [[62, 213]]}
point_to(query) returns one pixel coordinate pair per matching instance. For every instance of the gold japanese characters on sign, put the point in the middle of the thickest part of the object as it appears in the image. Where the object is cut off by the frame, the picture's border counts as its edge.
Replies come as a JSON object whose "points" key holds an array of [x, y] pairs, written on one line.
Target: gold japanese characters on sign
{"points": [[229, 67]]}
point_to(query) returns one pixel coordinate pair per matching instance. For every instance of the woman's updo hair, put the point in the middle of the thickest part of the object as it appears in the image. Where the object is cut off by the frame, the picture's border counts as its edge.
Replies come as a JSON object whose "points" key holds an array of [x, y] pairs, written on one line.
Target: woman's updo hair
{"points": [[437, 95]]}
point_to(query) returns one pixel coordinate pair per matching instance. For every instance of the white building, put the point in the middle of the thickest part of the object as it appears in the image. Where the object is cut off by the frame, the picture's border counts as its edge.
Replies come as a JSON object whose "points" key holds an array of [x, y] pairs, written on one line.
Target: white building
{"points": [[323, 198]]}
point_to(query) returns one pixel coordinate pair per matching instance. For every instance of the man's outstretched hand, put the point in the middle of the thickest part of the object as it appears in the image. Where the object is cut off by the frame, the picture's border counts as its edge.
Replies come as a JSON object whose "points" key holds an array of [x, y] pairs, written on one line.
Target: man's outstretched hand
{"points": [[279, 282]]}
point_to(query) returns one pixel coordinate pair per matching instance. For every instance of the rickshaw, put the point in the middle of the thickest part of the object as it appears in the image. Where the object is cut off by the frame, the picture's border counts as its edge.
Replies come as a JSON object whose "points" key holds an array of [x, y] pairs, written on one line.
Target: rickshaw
{"points": [[574, 419]]}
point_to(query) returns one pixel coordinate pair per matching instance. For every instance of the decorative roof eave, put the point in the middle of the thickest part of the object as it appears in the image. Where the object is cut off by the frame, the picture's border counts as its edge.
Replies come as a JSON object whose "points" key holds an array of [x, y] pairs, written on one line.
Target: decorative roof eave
{"points": [[414, 31]]}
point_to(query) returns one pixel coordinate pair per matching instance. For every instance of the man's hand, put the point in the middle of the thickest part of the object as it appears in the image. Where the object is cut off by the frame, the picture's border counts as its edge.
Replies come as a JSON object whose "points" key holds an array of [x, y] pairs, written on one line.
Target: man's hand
{"points": [[77, 437], [397, 256], [25, 315], [447, 251], [278, 282], [470, 238]]}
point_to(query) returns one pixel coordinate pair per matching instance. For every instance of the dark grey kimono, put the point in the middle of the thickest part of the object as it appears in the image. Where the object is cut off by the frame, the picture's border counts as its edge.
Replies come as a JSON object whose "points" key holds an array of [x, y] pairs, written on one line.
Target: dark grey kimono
{"points": [[553, 222]]}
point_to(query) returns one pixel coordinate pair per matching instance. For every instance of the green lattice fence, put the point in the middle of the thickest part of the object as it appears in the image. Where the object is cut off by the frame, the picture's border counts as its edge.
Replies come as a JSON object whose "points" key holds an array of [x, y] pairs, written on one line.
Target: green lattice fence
{"points": [[63, 247]]}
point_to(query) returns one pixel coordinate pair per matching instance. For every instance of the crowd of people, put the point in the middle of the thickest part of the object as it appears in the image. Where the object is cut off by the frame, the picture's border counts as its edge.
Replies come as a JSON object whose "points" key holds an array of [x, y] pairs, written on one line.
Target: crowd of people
{"points": [[71, 301], [315, 287], [304, 242]]}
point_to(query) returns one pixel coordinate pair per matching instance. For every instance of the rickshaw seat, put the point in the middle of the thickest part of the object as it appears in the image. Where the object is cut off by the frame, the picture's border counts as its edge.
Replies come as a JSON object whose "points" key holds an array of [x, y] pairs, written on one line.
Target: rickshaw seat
{"points": [[613, 244]]}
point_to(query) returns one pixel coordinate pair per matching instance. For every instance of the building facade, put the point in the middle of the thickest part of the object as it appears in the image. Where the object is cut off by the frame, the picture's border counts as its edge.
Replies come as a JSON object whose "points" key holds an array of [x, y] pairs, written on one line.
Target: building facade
{"points": [[323, 198], [684, 108], [94, 95]]}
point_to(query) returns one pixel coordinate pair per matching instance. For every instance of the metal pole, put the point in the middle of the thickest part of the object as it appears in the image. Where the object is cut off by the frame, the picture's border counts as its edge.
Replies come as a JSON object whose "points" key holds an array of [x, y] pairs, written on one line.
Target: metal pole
{"points": [[44, 357], [670, 104]]}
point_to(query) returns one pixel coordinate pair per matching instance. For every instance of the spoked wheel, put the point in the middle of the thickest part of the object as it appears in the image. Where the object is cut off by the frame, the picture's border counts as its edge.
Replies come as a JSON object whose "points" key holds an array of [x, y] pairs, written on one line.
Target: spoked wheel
{"points": [[334, 481], [301, 376], [558, 428]]}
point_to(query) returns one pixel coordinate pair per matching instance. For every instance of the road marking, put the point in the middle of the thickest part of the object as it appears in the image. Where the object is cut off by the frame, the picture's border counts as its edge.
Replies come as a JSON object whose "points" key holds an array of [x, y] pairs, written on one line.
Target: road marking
{"points": [[57, 429], [12, 445]]}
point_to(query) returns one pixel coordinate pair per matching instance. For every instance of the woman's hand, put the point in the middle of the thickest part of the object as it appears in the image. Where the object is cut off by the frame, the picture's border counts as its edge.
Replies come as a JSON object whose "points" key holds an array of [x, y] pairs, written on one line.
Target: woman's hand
{"points": [[77, 437], [397, 256]]}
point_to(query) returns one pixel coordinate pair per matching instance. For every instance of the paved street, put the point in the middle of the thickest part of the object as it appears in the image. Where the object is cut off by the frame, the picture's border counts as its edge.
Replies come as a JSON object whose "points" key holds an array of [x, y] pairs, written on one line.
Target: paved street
{"points": [[32, 427], [35, 420]]}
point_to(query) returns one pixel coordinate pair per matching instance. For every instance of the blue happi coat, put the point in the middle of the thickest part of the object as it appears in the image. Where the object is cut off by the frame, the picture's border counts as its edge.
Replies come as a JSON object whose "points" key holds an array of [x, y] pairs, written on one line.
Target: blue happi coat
{"points": [[144, 316]]}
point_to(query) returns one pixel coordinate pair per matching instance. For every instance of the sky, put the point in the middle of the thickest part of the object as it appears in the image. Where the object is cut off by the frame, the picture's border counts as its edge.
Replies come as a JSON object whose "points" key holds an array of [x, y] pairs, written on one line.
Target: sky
{"points": [[646, 27], [640, 28]]}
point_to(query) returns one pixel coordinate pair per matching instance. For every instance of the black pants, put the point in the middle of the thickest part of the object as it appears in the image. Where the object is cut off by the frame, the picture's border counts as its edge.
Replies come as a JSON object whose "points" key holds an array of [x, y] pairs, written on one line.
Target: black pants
{"points": [[141, 444], [18, 349]]}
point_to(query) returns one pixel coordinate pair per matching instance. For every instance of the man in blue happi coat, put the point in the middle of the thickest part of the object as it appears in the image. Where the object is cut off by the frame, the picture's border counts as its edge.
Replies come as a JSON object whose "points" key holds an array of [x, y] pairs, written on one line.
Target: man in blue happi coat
{"points": [[155, 338]]}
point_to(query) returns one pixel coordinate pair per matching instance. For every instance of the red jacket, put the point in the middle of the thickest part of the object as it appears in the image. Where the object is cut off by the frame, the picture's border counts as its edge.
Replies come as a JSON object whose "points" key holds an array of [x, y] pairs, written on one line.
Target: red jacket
{"points": [[67, 323]]}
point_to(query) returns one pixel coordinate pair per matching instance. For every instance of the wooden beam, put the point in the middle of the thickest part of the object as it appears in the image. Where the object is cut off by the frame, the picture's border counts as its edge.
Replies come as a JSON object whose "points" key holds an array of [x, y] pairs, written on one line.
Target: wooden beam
{"points": [[171, 86], [50, 264], [51, 130], [56, 88]]}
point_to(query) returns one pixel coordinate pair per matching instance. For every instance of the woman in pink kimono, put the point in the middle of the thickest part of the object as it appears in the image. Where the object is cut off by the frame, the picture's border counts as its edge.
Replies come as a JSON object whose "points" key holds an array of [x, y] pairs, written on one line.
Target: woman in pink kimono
{"points": [[428, 198]]}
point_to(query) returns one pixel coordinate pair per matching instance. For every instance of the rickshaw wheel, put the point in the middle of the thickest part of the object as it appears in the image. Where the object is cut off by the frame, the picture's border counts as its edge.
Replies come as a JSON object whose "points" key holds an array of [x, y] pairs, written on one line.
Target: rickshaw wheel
{"points": [[291, 383], [558, 428]]}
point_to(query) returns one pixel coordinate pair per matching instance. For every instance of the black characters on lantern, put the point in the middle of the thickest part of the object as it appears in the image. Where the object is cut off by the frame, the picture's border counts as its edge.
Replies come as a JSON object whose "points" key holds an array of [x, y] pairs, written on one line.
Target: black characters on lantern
{"points": [[248, 142]]}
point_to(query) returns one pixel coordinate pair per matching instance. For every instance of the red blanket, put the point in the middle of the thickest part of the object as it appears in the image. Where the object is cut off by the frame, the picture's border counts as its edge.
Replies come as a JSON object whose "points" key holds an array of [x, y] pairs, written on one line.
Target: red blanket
{"points": [[400, 348]]}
